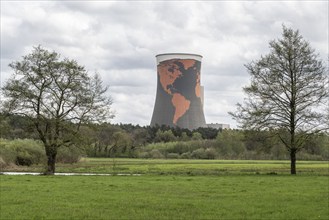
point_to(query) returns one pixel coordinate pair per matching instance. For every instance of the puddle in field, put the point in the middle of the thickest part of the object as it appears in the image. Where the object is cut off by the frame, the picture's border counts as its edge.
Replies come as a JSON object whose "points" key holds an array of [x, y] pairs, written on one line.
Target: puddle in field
{"points": [[69, 174]]}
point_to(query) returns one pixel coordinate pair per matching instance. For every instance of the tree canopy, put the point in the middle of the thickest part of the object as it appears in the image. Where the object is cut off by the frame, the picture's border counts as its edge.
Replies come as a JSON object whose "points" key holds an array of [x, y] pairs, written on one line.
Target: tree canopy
{"points": [[57, 95]]}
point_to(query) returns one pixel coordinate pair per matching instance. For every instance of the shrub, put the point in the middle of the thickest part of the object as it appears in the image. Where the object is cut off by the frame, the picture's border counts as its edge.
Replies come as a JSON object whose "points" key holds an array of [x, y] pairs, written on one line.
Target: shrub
{"points": [[143, 155], [7, 153], [199, 154], [279, 152], [24, 159], [165, 136], [196, 136], [22, 152], [156, 154], [2, 163], [306, 156], [186, 155], [173, 156], [68, 155], [230, 143], [179, 148], [211, 153]]}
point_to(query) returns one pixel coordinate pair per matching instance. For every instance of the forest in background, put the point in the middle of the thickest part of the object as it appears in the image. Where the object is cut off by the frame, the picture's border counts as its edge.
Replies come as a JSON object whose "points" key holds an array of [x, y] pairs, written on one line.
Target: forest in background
{"points": [[19, 143]]}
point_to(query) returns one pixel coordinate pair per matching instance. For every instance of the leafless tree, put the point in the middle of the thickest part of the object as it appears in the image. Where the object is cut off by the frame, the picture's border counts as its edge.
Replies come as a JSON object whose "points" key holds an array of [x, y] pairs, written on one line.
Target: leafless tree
{"points": [[288, 93]]}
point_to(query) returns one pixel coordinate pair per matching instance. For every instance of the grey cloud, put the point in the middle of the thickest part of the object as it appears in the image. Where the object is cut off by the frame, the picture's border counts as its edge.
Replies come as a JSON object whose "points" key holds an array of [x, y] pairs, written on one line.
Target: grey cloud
{"points": [[133, 108], [131, 61], [120, 39]]}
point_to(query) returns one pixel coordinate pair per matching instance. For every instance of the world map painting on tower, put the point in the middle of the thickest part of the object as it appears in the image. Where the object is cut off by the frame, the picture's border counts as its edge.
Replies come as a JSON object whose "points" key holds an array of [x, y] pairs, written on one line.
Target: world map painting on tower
{"points": [[173, 74]]}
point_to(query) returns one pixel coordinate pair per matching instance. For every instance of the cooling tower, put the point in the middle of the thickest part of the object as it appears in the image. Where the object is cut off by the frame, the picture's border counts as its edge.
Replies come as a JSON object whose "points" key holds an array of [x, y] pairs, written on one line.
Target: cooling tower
{"points": [[179, 97]]}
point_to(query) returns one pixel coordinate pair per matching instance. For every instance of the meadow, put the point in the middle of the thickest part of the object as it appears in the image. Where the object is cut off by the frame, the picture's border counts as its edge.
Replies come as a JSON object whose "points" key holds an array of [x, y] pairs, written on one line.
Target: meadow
{"points": [[182, 167], [170, 189]]}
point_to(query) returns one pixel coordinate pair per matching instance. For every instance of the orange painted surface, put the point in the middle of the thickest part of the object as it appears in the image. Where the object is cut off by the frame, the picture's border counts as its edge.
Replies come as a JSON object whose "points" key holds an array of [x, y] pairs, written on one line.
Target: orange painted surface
{"points": [[168, 72], [188, 63], [181, 105], [197, 86]]}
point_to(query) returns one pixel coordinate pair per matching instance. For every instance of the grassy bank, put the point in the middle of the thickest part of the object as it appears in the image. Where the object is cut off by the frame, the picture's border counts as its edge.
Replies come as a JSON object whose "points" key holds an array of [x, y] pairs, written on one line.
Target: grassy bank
{"points": [[164, 197]]}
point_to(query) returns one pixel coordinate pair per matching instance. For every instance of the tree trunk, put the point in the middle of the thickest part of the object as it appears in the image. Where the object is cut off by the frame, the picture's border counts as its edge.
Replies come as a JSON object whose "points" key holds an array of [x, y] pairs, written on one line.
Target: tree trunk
{"points": [[51, 160], [293, 161]]}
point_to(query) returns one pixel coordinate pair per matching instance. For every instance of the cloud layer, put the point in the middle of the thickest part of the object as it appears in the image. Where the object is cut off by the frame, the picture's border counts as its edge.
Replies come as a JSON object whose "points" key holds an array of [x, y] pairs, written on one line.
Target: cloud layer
{"points": [[119, 40]]}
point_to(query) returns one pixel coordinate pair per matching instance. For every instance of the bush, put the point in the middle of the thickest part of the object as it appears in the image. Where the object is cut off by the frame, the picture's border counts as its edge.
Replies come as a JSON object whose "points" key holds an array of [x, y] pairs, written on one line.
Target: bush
{"points": [[24, 159], [211, 153], [156, 154], [230, 143], [143, 155], [279, 152], [68, 155], [2, 163], [199, 154], [303, 155], [165, 136], [186, 155], [23, 152], [173, 156], [7, 153], [179, 148]]}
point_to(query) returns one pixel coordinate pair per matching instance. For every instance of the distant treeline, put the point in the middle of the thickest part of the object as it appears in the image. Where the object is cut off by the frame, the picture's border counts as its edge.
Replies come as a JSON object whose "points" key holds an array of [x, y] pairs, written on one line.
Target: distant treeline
{"points": [[134, 141]]}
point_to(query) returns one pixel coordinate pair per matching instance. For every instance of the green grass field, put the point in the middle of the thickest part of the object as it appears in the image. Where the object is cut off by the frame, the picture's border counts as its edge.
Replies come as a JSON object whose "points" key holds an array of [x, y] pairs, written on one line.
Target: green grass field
{"points": [[170, 189], [184, 167], [164, 197]]}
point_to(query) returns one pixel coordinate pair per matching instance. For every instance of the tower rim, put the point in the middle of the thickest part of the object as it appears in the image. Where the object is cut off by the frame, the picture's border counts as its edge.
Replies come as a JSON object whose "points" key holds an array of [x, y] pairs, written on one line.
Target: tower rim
{"points": [[186, 54]]}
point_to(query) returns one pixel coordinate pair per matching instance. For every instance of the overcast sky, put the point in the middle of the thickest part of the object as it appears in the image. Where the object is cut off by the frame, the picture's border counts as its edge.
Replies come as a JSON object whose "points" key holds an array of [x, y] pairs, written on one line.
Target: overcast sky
{"points": [[119, 40]]}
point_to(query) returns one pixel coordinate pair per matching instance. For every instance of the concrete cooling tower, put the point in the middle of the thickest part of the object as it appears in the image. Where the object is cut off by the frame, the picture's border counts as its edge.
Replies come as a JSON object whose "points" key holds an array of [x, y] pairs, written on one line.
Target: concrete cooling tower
{"points": [[179, 97]]}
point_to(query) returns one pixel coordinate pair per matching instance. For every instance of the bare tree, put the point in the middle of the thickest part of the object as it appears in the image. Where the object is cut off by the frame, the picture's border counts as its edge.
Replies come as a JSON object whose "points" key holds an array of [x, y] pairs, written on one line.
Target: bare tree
{"points": [[288, 93], [58, 97]]}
